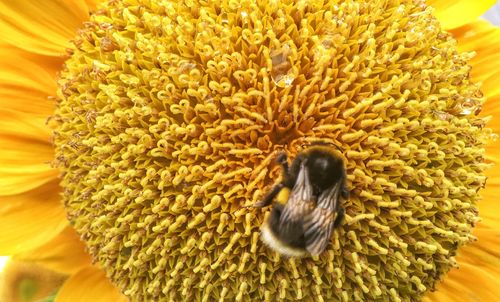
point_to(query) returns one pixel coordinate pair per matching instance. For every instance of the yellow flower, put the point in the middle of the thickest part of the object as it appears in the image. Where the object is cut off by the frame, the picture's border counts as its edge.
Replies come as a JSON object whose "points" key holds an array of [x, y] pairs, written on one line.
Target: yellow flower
{"points": [[111, 146]]}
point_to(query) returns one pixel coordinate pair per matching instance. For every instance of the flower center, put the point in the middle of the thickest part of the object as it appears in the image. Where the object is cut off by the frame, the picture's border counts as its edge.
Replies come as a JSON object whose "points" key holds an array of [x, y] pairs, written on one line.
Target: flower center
{"points": [[171, 113]]}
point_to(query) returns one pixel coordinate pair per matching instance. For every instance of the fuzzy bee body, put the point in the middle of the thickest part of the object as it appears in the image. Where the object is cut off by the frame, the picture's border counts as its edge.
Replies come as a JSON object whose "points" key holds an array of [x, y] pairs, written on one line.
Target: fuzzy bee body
{"points": [[301, 223]]}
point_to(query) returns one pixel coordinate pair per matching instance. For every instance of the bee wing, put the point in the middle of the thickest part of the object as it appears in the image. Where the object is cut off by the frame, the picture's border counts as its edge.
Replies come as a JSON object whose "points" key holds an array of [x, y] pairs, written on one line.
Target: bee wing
{"points": [[318, 225], [299, 204]]}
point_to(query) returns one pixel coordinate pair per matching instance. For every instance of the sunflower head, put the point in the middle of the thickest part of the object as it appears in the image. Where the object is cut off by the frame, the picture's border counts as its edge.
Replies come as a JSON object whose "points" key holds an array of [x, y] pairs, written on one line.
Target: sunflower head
{"points": [[170, 114]]}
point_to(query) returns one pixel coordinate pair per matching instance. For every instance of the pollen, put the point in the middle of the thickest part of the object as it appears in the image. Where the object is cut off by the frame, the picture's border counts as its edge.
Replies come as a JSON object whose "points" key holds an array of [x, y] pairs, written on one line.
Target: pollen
{"points": [[170, 115]]}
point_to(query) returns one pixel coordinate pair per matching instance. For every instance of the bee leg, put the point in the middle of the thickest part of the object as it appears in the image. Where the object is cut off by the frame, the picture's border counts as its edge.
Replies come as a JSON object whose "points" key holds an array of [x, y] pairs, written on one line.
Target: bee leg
{"points": [[268, 199], [339, 218], [344, 192], [282, 159]]}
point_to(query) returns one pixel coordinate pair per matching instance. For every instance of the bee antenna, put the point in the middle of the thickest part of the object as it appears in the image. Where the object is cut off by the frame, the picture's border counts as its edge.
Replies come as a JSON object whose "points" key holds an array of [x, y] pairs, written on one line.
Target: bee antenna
{"points": [[239, 208], [338, 147]]}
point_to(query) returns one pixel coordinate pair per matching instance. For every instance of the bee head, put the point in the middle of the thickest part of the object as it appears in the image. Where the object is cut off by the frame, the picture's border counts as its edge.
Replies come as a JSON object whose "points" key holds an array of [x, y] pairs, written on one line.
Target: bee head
{"points": [[325, 166]]}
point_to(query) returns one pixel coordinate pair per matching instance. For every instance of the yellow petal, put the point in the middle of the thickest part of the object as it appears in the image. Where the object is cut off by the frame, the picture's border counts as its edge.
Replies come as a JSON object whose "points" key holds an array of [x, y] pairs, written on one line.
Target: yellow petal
{"points": [[65, 253], [491, 88], [26, 81], [489, 207], [493, 153], [480, 36], [484, 39], [89, 284], [92, 4], [42, 26], [25, 154], [492, 156], [30, 219], [491, 108], [29, 102], [468, 283], [455, 13], [486, 251]]}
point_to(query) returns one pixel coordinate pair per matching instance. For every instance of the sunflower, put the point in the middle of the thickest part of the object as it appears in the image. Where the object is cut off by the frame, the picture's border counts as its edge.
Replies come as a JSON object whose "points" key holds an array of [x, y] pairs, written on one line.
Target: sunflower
{"points": [[106, 179]]}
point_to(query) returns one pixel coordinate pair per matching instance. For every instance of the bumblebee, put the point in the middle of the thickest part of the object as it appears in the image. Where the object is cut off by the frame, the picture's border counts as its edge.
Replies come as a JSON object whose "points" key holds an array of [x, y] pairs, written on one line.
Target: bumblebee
{"points": [[308, 202]]}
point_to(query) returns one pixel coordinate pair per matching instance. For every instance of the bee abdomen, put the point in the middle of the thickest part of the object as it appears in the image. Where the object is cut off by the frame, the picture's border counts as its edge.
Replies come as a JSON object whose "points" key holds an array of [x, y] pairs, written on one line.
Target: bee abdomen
{"points": [[273, 240]]}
